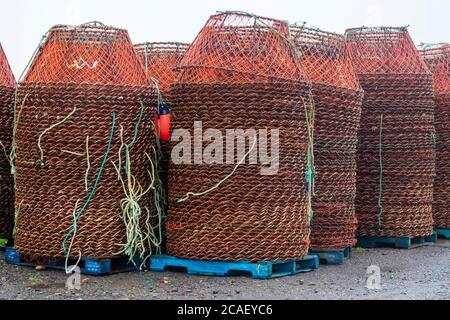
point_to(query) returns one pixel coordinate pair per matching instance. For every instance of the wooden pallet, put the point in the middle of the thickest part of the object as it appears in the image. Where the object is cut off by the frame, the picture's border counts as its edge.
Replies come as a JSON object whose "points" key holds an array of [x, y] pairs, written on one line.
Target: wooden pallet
{"points": [[258, 270], [395, 242], [88, 265], [332, 257], [443, 233]]}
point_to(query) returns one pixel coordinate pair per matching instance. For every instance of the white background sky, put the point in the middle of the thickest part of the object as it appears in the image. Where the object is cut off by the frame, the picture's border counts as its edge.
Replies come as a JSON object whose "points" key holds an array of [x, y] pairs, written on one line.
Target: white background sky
{"points": [[23, 22]]}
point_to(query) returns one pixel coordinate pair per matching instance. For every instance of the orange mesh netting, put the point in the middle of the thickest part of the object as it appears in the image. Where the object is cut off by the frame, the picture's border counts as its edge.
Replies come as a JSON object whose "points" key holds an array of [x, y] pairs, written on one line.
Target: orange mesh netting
{"points": [[240, 73], [83, 104], [437, 58], [7, 85], [338, 98], [91, 53], [324, 57], [384, 50], [395, 156], [237, 48], [161, 59], [6, 75]]}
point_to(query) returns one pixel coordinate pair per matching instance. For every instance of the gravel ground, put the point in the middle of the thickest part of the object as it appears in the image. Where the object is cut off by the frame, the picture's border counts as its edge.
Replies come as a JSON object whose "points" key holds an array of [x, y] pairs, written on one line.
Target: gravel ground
{"points": [[420, 273]]}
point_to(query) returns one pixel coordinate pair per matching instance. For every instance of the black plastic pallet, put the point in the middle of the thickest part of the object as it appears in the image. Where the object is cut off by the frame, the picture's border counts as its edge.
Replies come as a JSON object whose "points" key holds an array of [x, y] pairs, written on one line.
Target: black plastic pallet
{"points": [[87, 265], [332, 257], [258, 270], [395, 242]]}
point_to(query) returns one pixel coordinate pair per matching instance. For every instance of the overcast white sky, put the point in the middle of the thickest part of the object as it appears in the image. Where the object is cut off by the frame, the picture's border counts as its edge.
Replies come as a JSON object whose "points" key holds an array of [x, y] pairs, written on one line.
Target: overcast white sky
{"points": [[22, 22]]}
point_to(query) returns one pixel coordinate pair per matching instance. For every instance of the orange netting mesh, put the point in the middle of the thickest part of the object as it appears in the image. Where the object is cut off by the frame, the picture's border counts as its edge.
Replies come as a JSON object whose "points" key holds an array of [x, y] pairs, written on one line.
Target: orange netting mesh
{"points": [[91, 53], [383, 50], [438, 60], [7, 84], [324, 57], [237, 47], [161, 59], [6, 75]]}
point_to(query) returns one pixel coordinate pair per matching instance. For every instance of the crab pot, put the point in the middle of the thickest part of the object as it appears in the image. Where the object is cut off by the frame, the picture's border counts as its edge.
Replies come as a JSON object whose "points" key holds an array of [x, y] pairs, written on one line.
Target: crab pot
{"points": [[395, 153], [240, 73], [7, 86], [84, 100], [437, 58], [337, 100]]}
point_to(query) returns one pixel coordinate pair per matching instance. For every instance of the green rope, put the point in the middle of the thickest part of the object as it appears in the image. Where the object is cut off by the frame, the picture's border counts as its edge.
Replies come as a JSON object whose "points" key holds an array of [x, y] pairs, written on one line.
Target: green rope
{"points": [[380, 207], [136, 127], [310, 172], [136, 131], [433, 139], [105, 159]]}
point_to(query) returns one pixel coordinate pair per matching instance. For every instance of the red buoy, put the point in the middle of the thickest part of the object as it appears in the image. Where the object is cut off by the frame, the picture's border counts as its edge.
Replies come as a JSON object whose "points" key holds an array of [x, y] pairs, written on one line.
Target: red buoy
{"points": [[162, 120]]}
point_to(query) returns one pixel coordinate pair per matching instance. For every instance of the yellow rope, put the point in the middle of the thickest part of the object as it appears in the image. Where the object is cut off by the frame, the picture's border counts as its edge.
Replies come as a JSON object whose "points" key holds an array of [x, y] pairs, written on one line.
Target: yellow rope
{"points": [[74, 214], [88, 167], [12, 155], [16, 217], [194, 194], [50, 128], [72, 153]]}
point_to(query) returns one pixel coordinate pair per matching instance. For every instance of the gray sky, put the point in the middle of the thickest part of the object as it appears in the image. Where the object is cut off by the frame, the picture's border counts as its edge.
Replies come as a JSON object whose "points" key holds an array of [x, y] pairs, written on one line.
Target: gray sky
{"points": [[22, 22]]}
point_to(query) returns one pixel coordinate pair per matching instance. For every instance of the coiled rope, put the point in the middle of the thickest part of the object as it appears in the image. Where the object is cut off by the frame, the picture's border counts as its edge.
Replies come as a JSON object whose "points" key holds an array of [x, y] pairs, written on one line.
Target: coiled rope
{"points": [[140, 241]]}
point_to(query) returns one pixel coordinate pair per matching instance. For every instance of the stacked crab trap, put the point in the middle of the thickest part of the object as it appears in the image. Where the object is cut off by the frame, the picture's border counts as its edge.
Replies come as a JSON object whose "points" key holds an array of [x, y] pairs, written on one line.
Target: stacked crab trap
{"points": [[395, 153], [337, 100], [7, 85], [437, 58], [87, 188], [240, 206]]}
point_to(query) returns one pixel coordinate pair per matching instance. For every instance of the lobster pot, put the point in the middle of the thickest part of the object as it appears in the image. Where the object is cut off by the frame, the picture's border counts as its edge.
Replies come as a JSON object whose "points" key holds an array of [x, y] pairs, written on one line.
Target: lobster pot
{"points": [[395, 156], [83, 103], [7, 85], [240, 73], [337, 101], [438, 60]]}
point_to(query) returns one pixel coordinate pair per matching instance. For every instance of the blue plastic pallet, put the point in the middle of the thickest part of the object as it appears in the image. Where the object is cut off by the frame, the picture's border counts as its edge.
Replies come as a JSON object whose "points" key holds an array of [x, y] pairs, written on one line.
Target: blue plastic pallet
{"points": [[396, 242], [333, 257], [442, 233], [88, 265], [258, 270]]}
